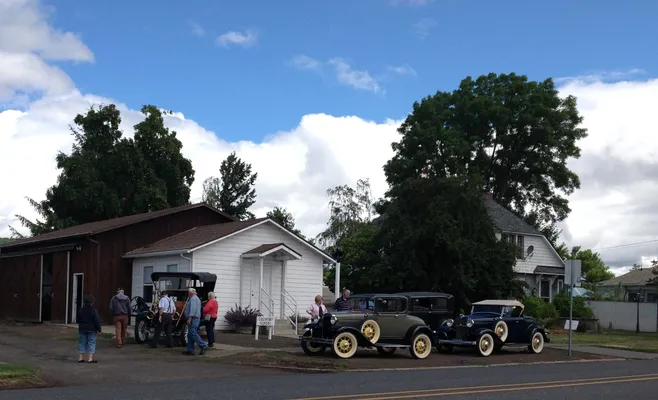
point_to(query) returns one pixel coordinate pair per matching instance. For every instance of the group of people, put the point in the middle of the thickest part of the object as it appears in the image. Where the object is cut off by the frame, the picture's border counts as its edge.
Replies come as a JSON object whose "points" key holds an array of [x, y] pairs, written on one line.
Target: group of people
{"points": [[196, 314], [318, 309]]}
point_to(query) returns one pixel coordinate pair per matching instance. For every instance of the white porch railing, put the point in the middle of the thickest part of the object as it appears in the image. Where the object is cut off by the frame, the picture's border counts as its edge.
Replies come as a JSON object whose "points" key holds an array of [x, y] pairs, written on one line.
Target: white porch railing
{"points": [[290, 303], [267, 303]]}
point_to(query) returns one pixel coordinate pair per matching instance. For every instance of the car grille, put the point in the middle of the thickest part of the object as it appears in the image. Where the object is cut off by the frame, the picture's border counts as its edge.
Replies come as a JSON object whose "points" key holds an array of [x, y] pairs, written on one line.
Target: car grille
{"points": [[461, 332]]}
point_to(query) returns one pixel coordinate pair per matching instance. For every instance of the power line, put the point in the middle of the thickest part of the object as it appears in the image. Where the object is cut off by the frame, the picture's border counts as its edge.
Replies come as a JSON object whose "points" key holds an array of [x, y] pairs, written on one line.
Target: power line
{"points": [[621, 246]]}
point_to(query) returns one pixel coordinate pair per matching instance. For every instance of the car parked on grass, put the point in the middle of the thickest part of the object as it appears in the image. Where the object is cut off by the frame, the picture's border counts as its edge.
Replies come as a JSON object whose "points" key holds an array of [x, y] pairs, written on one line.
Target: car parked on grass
{"points": [[387, 327], [176, 284], [491, 325]]}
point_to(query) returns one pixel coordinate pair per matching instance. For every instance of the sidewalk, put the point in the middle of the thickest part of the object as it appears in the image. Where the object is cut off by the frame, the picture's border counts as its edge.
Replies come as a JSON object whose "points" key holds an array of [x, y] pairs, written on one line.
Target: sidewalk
{"points": [[604, 351]]}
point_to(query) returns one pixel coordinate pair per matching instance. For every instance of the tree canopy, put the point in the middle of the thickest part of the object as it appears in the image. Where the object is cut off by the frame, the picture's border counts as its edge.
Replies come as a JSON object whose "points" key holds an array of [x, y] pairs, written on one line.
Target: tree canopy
{"points": [[107, 175], [510, 136], [233, 192], [284, 218]]}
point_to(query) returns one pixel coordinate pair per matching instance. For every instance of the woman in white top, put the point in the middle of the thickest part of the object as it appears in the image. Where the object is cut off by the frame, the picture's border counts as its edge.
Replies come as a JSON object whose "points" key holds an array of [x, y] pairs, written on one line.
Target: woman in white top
{"points": [[317, 309]]}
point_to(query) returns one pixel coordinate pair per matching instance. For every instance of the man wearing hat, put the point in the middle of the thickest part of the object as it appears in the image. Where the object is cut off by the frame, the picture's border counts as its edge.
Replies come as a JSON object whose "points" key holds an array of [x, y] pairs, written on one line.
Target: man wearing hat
{"points": [[120, 309], [166, 310]]}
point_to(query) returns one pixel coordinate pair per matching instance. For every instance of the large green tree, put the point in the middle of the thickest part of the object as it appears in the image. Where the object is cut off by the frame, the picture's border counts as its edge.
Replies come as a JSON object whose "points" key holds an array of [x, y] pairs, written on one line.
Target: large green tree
{"points": [[510, 136], [284, 218], [107, 175], [438, 236], [233, 192]]}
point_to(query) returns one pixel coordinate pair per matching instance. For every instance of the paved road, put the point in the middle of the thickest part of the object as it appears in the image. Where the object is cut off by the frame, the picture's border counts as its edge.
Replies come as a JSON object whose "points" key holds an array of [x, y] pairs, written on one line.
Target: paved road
{"points": [[594, 380]]}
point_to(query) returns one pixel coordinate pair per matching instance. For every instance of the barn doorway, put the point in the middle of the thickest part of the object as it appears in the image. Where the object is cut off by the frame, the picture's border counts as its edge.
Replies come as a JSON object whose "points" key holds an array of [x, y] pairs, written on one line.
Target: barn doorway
{"points": [[46, 287], [78, 290]]}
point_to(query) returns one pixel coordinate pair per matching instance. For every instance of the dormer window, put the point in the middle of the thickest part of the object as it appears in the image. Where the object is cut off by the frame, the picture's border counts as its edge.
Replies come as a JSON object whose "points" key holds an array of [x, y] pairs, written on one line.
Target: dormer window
{"points": [[518, 240]]}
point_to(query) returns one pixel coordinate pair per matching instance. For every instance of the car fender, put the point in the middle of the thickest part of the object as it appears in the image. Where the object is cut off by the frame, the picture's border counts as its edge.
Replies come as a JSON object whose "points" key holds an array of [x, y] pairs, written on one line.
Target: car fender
{"points": [[363, 341], [482, 331], [538, 328], [416, 329]]}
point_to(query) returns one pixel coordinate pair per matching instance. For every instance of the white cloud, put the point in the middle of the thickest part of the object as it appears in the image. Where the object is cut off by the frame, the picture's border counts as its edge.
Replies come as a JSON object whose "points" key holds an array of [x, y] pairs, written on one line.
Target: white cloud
{"points": [[618, 167], [245, 39], [24, 29], [197, 30], [342, 70], [423, 27], [402, 70]]}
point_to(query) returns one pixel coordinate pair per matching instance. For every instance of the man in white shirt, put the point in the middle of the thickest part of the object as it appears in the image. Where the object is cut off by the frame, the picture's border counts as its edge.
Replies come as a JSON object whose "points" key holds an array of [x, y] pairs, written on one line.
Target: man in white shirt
{"points": [[166, 310]]}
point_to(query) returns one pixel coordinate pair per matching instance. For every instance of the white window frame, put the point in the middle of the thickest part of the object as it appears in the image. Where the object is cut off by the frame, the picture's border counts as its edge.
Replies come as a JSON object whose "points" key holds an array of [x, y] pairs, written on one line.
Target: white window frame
{"points": [[519, 241], [146, 284], [172, 265]]}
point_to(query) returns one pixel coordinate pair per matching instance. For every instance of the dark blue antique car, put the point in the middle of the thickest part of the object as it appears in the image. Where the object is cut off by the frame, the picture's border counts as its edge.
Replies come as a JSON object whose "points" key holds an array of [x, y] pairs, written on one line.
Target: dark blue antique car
{"points": [[492, 325]]}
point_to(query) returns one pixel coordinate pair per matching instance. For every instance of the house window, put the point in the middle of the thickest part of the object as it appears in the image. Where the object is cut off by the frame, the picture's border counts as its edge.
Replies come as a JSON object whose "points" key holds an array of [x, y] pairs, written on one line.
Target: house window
{"points": [[148, 284], [652, 298], [560, 286], [172, 268], [519, 241]]}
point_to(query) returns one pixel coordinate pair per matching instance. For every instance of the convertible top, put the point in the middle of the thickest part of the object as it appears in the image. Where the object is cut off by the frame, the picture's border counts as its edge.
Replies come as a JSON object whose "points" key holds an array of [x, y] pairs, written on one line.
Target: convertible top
{"points": [[199, 276], [504, 303]]}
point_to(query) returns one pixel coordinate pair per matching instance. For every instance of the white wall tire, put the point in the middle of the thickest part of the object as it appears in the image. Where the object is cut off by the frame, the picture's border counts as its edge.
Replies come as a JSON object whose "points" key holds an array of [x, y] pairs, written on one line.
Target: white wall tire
{"points": [[421, 346], [370, 329], [502, 330], [485, 344], [536, 343], [345, 345]]}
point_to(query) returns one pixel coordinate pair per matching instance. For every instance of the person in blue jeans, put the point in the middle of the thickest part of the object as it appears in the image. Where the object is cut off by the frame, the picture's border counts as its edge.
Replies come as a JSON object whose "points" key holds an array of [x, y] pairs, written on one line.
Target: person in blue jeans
{"points": [[89, 326], [193, 314]]}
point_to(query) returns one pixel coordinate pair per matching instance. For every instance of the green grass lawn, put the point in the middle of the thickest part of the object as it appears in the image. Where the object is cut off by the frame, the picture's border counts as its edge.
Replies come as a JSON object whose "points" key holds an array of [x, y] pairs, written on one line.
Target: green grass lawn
{"points": [[645, 342], [12, 376]]}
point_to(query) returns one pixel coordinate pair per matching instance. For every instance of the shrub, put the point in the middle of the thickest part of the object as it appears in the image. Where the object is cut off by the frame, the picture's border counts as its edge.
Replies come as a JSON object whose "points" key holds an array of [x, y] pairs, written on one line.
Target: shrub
{"points": [[580, 308], [544, 312], [238, 316]]}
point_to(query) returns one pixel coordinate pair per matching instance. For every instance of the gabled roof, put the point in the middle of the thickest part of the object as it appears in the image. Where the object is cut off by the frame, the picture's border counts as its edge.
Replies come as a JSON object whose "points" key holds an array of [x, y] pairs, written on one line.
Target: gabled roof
{"points": [[202, 236], [266, 249], [636, 277], [93, 228], [505, 220]]}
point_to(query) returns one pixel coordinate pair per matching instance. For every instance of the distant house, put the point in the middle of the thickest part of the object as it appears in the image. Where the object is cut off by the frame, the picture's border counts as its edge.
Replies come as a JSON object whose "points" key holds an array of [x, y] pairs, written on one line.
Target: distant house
{"points": [[537, 261], [626, 287]]}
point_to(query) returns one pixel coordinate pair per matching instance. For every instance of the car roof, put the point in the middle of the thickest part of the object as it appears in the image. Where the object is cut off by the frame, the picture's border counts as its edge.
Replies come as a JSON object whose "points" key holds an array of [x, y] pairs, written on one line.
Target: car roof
{"points": [[425, 294], [367, 295], [504, 303]]}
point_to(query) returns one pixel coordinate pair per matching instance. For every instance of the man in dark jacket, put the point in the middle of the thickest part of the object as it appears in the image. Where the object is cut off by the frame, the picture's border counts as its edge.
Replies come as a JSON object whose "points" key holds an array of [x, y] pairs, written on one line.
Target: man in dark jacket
{"points": [[120, 309], [341, 303]]}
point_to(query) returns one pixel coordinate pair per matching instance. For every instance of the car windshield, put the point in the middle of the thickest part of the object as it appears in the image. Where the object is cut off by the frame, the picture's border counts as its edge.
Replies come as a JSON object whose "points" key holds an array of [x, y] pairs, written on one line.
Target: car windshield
{"points": [[487, 309]]}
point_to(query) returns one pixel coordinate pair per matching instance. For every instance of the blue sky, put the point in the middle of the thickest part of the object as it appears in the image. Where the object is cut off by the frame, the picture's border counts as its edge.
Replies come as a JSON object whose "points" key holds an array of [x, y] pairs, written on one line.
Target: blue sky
{"points": [[146, 52]]}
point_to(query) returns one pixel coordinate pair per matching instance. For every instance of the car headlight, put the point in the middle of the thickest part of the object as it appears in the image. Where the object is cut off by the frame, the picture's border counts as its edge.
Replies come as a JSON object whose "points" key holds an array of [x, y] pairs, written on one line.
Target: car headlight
{"points": [[469, 323], [449, 322], [333, 319]]}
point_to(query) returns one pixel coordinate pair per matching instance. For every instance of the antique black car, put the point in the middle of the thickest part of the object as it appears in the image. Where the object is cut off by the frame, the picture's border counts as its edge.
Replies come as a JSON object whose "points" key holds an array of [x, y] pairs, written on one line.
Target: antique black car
{"points": [[432, 307], [177, 285], [492, 325], [387, 328]]}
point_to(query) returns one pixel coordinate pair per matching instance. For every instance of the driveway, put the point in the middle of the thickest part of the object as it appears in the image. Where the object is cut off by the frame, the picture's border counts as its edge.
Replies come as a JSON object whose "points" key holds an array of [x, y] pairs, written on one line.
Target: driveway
{"points": [[53, 349]]}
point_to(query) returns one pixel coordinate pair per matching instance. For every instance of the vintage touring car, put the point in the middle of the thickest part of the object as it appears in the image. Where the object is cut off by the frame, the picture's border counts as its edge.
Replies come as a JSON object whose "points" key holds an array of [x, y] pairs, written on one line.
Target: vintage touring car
{"points": [[176, 284], [491, 325]]}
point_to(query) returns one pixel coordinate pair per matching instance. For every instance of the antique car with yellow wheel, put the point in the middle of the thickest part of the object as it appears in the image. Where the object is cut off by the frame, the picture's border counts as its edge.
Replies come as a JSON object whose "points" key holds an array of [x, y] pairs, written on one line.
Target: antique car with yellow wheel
{"points": [[491, 325], [387, 327]]}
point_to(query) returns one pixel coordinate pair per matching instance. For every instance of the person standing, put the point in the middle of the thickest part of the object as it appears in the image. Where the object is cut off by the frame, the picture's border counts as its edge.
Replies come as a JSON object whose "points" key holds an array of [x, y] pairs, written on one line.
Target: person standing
{"points": [[89, 327], [166, 310], [120, 309], [317, 309], [193, 315], [341, 303], [210, 317]]}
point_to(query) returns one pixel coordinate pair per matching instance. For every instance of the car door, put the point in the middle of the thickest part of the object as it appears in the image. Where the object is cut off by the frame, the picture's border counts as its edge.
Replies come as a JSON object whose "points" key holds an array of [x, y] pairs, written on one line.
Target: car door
{"points": [[390, 314], [517, 325]]}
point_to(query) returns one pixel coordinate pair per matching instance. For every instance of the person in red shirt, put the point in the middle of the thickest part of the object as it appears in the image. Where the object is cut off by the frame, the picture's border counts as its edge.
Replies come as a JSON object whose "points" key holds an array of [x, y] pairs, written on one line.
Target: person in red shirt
{"points": [[210, 317]]}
